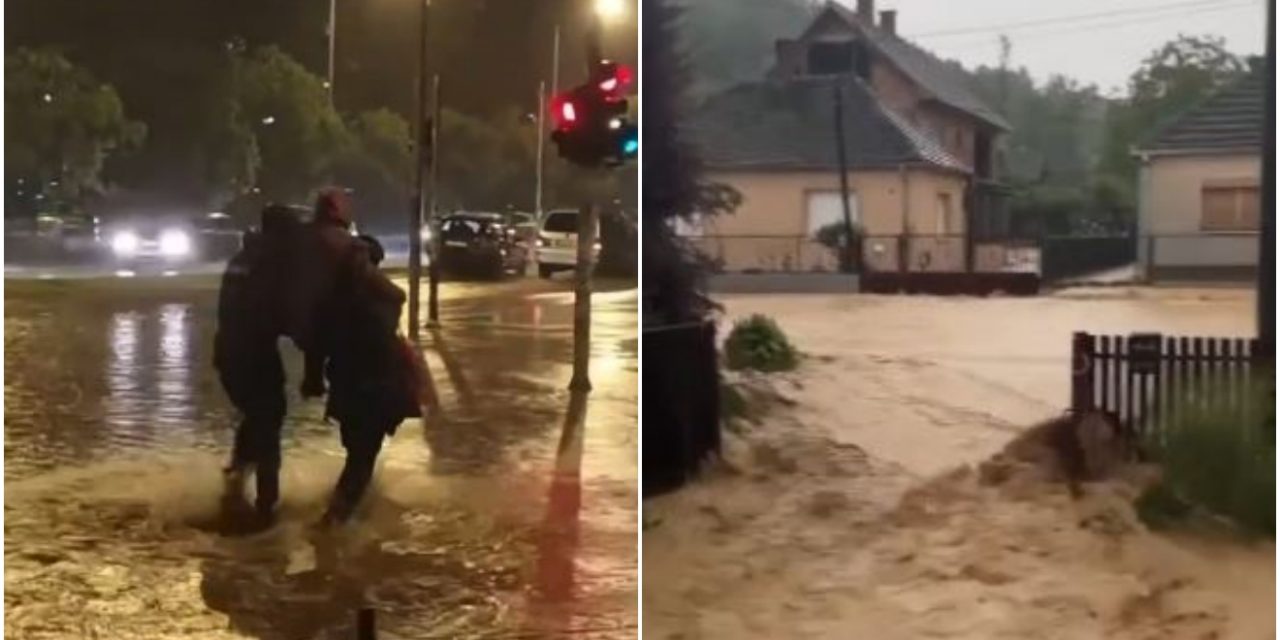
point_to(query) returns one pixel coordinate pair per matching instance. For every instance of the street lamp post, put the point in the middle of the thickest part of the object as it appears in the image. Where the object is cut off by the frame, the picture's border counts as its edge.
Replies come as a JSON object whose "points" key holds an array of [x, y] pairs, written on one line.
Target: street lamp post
{"points": [[333, 34], [420, 179]]}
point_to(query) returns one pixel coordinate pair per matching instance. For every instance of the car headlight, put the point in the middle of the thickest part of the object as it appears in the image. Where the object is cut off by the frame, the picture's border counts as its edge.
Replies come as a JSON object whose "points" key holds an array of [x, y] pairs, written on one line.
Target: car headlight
{"points": [[542, 241], [124, 243], [597, 246], [425, 235], [174, 243]]}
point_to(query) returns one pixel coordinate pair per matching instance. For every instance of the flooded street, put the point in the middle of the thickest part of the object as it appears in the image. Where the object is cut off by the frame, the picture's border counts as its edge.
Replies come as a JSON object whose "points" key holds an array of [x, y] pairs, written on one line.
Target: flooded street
{"points": [[510, 514]]}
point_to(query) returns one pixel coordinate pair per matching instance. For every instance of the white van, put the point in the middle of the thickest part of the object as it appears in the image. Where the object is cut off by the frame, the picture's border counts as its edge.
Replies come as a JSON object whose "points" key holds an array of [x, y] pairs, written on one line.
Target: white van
{"points": [[558, 242]]}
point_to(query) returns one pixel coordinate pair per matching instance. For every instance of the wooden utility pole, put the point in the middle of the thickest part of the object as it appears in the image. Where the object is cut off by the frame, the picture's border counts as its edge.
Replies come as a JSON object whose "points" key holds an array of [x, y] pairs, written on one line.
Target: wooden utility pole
{"points": [[846, 253]]}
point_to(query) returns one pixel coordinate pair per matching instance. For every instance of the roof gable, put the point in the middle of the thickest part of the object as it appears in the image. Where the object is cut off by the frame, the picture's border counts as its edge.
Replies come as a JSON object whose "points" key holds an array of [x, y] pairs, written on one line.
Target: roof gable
{"points": [[938, 79]]}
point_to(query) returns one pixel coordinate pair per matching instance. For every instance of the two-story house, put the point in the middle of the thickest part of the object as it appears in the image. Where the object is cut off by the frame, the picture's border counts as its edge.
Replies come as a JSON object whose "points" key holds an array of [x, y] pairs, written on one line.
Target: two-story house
{"points": [[919, 145]]}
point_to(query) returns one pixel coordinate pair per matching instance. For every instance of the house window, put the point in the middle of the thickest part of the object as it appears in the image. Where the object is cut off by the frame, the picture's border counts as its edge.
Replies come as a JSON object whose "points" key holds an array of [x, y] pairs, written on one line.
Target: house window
{"points": [[945, 214], [1229, 207], [823, 210], [830, 58]]}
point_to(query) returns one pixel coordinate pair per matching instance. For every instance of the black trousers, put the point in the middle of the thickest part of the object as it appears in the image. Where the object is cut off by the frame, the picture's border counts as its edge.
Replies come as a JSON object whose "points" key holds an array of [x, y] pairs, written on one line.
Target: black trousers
{"points": [[362, 437], [255, 385]]}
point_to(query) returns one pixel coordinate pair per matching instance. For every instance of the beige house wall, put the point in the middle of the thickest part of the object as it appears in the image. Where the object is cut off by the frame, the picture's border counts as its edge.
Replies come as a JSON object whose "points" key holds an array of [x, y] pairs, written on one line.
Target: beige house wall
{"points": [[1169, 212], [769, 231]]}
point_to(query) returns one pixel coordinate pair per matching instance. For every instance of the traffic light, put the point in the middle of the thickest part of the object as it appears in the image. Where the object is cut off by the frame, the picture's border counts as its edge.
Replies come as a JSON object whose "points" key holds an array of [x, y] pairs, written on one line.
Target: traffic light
{"points": [[591, 125]]}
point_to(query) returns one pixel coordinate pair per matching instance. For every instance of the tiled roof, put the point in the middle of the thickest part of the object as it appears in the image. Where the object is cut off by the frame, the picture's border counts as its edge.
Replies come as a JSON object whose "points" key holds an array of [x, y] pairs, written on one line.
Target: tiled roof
{"points": [[1230, 119], [946, 83], [790, 125]]}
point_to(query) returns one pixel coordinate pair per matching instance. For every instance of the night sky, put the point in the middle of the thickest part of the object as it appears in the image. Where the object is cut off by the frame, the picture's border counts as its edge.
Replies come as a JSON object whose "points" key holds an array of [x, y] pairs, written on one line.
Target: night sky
{"points": [[490, 53]]}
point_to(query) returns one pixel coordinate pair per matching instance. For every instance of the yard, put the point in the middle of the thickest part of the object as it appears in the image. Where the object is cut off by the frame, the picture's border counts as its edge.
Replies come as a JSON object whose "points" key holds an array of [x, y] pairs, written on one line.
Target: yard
{"points": [[851, 512]]}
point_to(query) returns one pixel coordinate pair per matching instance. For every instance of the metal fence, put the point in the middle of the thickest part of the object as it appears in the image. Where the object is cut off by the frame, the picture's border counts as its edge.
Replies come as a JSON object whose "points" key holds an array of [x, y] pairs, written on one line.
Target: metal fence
{"points": [[1072, 256], [1145, 380], [767, 253]]}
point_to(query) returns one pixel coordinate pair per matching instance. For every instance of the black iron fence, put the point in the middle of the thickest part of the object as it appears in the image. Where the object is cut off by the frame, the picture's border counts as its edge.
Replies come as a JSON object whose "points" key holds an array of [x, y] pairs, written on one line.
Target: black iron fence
{"points": [[1144, 380], [1073, 256], [767, 253], [681, 403]]}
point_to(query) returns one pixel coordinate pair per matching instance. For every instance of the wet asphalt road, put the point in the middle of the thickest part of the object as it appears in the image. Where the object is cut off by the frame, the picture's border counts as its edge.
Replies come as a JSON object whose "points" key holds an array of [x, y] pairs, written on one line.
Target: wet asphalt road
{"points": [[511, 514]]}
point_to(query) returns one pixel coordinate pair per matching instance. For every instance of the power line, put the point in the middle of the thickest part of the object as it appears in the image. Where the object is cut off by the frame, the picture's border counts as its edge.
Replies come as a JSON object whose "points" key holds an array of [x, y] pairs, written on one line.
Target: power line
{"points": [[1068, 19], [972, 45]]}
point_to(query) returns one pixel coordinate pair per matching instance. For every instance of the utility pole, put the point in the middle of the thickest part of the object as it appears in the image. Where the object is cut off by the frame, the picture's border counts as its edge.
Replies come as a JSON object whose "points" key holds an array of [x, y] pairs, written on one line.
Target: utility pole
{"points": [[846, 253], [423, 130], [333, 35], [1267, 236], [538, 170], [433, 268]]}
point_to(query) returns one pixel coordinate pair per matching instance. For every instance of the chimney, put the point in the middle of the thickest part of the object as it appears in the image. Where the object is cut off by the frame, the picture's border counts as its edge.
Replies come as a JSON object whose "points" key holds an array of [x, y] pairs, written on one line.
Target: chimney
{"points": [[889, 22], [867, 12]]}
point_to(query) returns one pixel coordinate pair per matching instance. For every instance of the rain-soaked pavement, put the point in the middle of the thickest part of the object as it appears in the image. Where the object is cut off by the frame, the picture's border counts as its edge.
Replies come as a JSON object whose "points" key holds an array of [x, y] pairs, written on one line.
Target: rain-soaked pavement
{"points": [[510, 515]]}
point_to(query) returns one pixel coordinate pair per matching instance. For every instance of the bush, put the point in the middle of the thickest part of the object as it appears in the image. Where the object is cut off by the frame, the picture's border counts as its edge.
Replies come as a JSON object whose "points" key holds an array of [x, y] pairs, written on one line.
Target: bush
{"points": [[1220, 457], [757, 343]]}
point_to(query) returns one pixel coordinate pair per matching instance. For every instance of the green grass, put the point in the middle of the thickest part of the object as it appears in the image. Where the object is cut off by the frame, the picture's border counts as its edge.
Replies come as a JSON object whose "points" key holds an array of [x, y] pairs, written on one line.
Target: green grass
{"points": [[1219, 457]]}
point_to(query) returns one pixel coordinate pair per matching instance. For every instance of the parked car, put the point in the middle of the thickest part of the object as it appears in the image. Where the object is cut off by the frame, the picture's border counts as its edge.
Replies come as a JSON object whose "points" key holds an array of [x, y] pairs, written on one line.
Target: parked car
{"points": [[218, 237], [68, 235], [558, 242], [481, 244]]}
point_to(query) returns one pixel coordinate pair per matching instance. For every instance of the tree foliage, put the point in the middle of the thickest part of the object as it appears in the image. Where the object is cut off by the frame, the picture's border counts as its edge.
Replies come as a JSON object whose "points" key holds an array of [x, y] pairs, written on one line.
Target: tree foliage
{"points": [[731, 41], [1171, 80], [62, 125]]}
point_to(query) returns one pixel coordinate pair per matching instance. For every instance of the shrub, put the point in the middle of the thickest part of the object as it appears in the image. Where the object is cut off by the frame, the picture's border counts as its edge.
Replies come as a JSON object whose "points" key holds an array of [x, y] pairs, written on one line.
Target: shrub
{"points": [[1219, 456], [757, 343]]}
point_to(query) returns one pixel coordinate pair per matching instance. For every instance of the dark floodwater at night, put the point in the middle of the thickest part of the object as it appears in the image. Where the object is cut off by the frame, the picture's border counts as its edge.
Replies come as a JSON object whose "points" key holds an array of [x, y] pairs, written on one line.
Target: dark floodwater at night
{"points": [[510, 515]]}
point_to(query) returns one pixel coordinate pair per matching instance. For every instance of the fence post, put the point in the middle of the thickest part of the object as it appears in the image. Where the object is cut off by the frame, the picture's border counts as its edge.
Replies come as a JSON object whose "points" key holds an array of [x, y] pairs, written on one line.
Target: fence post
{"points": [[365, 626], [1081, 371]]}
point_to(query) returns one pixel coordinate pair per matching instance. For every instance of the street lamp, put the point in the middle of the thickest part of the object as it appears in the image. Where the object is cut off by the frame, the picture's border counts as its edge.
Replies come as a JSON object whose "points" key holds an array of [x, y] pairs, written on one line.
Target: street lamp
{"points": [[609, 10]]}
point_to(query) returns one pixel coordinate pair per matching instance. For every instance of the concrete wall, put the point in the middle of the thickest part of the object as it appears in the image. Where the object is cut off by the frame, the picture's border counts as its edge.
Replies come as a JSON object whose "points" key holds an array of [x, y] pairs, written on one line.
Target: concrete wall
{"points": [[770, 230], [1169, 214]]}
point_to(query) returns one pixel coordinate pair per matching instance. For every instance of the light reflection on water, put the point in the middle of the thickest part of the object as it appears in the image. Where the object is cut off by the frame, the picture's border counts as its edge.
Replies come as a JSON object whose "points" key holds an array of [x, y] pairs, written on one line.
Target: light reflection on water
{"points": [[468, 530]]}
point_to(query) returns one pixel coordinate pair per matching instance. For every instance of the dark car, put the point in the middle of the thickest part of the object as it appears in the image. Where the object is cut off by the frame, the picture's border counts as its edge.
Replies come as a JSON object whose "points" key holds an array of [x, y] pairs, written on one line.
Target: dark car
{"points": [[481, 244]]}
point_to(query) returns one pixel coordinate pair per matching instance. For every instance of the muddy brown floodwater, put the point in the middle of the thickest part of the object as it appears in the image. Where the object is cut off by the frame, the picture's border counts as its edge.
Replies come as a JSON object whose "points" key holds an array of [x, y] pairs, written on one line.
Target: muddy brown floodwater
{"points": [[511, 514]]}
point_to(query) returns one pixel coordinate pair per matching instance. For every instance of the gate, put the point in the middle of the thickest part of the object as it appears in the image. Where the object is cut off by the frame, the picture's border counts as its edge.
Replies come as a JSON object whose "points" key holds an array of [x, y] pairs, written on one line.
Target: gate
{"points": [[1144, 379]]}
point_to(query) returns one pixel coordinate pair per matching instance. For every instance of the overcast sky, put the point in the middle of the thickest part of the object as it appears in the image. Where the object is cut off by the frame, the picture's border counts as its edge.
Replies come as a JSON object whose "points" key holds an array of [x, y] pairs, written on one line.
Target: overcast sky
{"points": [[1095, 41]]}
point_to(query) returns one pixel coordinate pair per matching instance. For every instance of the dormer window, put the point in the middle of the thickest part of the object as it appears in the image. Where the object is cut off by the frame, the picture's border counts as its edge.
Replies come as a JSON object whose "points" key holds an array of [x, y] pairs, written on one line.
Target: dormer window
{"points": [[830, 58], [839, 58]]}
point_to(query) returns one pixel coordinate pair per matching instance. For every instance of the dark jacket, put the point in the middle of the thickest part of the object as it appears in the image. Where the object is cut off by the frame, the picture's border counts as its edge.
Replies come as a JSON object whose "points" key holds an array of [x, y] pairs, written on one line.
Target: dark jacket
{"points": [[370, 380]]}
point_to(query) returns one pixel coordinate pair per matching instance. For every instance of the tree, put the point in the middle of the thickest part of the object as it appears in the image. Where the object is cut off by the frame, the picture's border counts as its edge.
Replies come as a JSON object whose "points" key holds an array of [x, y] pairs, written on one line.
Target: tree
{"points": [[298, 133], [62, 127], [731, 41], [1171, 80], [377, 164]]}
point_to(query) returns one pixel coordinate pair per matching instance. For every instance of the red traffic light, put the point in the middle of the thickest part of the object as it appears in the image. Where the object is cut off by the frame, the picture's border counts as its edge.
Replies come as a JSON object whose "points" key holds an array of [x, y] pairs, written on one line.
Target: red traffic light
{"points": [[564, 111]]}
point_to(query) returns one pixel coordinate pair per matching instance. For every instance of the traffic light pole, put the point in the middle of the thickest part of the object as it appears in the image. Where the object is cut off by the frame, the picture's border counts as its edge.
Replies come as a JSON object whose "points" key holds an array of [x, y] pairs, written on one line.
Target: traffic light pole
{"points": [[581, 380], [420, 176]]}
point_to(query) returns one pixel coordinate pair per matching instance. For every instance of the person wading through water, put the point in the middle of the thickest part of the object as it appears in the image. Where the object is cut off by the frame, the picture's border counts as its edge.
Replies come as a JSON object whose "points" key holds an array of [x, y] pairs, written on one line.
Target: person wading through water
{"points": [[247, 358], [372, 372]]}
